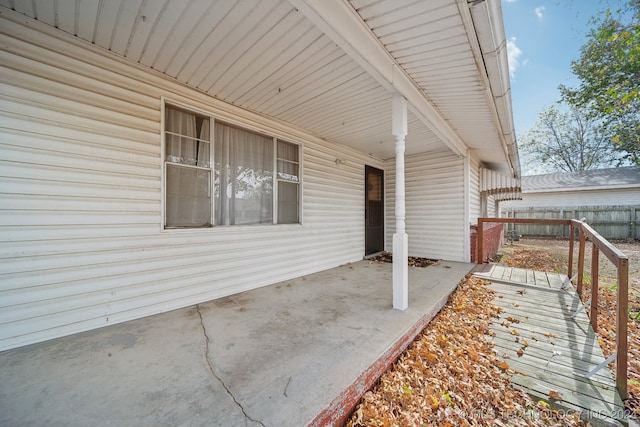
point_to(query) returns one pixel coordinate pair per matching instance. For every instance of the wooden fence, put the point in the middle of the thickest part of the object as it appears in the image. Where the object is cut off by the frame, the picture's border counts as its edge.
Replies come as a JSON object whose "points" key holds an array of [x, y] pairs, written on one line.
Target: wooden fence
{"points": [[611, 222]]}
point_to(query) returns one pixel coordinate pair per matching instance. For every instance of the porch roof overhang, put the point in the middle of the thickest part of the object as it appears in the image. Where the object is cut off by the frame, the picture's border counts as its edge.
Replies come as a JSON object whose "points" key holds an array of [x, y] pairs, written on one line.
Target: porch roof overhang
{"points": [[500, 186], [327, 67]]}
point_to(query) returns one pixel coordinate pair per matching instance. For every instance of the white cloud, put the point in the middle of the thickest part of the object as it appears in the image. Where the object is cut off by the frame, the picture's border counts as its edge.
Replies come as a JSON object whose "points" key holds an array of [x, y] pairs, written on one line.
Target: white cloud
{"points": [[511, 1], [513, 55], [540, 12]]}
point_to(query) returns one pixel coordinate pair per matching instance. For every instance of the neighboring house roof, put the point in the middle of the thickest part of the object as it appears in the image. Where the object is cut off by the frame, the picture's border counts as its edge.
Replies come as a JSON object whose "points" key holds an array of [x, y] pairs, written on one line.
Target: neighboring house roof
{"points": [[602, 179]]}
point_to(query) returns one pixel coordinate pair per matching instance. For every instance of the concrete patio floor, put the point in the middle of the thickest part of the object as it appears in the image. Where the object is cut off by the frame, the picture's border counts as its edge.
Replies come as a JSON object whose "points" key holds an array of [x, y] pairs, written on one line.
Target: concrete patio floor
{"points": [[291, 354]]}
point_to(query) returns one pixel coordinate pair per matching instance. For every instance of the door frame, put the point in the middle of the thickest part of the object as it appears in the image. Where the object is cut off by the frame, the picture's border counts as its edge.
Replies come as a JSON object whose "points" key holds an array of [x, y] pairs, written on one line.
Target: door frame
{"points": [[379, 243]]}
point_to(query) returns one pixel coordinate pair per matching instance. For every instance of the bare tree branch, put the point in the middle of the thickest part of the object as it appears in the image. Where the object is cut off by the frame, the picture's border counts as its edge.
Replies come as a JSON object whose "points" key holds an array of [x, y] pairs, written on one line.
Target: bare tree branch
{"points": [[568, 141]]}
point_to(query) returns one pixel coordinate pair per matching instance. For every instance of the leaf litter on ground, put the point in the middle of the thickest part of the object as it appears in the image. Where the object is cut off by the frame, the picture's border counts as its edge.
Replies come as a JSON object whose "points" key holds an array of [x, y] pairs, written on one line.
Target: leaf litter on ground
{"points": [[412, 261], [452, 376]]}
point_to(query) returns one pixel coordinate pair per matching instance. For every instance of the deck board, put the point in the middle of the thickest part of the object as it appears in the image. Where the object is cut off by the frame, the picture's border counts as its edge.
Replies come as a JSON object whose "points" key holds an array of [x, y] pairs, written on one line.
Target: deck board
{"points": [[541, 351], [546, 348], [497, 272], [501, 274], [541, 279], [555, 280], [530, 277], [518, 275]]}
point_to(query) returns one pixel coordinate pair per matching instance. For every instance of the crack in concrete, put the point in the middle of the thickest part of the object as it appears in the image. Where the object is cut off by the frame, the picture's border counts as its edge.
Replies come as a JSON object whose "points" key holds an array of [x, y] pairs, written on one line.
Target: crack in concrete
{"points": [[285, 388], [213, 372]]}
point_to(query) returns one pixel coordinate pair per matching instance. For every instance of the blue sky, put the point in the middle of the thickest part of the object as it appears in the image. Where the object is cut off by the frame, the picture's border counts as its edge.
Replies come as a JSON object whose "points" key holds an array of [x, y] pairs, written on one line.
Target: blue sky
{"points": [[543, 37]]}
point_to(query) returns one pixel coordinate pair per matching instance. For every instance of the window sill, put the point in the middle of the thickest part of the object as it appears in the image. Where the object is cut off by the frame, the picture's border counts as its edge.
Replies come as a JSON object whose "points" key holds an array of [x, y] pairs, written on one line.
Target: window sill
{"points": [[227, 228]]}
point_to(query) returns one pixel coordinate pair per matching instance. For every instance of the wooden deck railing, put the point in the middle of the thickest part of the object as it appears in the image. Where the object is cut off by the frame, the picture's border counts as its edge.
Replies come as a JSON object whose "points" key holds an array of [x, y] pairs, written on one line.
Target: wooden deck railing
{"points": [[613, 254]]}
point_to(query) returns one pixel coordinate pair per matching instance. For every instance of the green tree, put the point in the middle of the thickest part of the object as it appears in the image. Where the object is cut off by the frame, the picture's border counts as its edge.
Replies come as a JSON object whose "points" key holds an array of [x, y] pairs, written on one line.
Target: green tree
{"points": [[567, 141], [609, 73]]}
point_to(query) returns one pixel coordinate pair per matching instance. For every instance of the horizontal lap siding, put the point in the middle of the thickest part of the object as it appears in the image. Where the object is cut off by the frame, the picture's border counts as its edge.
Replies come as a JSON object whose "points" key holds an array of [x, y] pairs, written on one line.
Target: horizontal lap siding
{"points": [[434, 191], [601, 197], [474, 188], [491, 207], [81, 242]]}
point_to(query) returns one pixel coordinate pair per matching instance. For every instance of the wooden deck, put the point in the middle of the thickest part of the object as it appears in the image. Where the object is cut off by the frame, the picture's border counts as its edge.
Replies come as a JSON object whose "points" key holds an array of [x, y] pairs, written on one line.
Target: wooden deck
{"points": [[549, 350]]}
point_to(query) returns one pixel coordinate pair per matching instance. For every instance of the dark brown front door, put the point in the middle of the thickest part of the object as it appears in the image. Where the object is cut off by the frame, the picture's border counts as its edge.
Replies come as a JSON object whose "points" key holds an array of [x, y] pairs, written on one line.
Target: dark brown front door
{"points": [[373, 210]]}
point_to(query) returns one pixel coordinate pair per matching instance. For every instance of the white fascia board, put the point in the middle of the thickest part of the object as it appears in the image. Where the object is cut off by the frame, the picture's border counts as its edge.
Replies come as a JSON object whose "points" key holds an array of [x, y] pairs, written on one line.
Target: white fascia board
{"points": [[484, 27], [343, 25]]}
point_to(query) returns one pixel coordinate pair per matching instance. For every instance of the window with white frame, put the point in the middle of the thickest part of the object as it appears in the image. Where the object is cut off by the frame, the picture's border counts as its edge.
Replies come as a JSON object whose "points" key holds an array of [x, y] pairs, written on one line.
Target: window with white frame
{"points": [[247, 178], [188, 169], [288, 179]]}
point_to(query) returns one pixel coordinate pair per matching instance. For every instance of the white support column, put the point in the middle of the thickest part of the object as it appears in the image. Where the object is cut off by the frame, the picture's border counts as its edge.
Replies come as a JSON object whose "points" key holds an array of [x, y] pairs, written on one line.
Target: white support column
{"points": [[466, 223], [400, 238]]}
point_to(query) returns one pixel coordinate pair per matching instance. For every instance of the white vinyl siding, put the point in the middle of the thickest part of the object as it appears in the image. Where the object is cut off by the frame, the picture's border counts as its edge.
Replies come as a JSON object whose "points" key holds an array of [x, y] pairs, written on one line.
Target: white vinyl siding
{"points": [[491, 207], [82, 242], [435, 217], [474, 188], [601, 197]]}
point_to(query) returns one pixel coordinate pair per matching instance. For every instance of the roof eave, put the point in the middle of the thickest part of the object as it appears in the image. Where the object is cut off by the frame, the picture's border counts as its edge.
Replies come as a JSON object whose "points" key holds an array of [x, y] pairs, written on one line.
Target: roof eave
{"points": [[487, 38]]}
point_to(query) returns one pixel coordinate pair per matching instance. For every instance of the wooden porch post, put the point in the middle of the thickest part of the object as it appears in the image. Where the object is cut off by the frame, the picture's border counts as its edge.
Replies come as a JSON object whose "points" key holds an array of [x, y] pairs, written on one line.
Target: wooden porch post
{"points": [[572, 233], [479, 241], [583, 243], [400, 238], [595, 255], [622, 316]]}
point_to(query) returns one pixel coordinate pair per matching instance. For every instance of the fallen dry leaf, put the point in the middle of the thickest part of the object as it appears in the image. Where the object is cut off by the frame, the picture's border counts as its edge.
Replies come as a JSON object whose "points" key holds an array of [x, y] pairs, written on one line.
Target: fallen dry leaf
{"points": [[554, 395], [412, 261], [451, 375]]}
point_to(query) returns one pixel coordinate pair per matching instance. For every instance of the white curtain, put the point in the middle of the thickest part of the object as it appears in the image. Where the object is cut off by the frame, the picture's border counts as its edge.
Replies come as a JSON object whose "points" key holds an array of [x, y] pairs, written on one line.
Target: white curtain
{"points": [[288, 179], [186, 139], [288, 194], [243, 186], [188, 201]]}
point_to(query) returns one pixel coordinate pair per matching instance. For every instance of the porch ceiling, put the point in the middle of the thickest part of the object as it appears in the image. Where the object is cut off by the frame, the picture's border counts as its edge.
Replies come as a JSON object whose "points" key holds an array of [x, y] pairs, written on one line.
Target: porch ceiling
{"points": [[428, 39], [272, 57]]}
